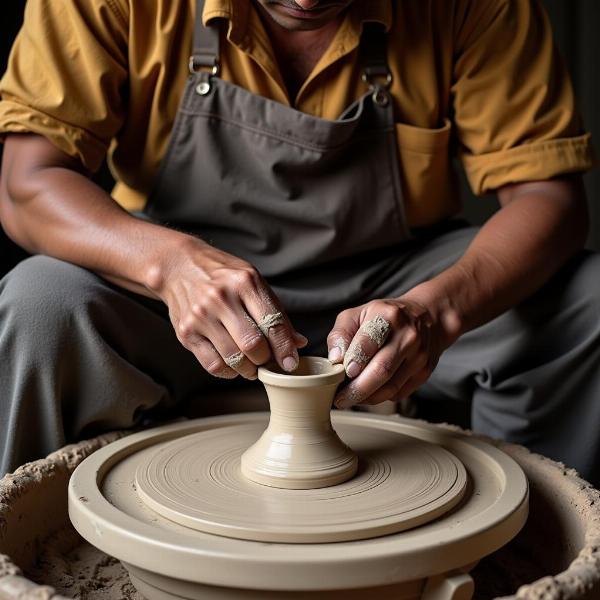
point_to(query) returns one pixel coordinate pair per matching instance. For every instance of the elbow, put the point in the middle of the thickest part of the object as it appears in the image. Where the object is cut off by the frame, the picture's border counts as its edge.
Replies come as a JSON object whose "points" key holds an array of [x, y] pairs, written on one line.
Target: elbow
{"points": [[13, 198], [8, 205], [26, 190]]}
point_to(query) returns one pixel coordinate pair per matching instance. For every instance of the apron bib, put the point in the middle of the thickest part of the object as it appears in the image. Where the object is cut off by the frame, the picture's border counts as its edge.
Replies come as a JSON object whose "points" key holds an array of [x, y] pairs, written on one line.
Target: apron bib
{"points": [[315, 205]]}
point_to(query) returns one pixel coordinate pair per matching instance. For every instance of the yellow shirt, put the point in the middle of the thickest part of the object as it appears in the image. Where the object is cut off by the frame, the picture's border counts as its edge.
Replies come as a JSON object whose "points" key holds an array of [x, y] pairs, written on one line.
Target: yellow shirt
{"points": [[477, 79]]}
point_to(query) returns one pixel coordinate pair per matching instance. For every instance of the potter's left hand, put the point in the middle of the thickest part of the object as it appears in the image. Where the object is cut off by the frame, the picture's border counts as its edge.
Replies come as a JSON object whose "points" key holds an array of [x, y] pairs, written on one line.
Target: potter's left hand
{"points": [[389, 348]]}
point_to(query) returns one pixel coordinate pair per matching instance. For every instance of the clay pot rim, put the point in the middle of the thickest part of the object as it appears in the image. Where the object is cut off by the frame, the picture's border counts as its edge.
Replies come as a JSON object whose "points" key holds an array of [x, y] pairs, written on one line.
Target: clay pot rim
{"points": [[333, 374]]}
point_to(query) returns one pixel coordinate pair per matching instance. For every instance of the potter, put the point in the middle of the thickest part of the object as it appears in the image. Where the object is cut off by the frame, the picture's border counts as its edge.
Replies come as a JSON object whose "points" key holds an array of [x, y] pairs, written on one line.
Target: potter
{"points": [[305, 189]]}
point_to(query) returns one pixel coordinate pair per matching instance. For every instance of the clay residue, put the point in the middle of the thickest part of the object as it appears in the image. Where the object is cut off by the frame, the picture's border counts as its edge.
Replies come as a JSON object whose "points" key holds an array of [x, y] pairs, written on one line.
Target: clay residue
{"points": [[29, 480], [76, 569], [377, 329], [270, 320], [355, 353], [251, 321], [340, 344], [235, 360], [349, 398]]}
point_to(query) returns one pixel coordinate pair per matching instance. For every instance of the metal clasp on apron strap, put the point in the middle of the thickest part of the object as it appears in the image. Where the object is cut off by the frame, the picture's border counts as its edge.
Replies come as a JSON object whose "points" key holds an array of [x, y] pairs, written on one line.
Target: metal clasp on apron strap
{"points": [[376, 73], [204, 61], [379, 79], [205, 71]]}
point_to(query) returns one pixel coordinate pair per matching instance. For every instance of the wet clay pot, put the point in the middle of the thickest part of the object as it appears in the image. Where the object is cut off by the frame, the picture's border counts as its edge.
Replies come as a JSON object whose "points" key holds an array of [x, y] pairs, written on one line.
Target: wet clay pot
{"points": [[300, 449]]}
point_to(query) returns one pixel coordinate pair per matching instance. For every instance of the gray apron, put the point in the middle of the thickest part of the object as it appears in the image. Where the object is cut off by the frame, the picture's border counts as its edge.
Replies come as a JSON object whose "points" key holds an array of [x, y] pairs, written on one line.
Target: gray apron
{"points": [[315, 205]]}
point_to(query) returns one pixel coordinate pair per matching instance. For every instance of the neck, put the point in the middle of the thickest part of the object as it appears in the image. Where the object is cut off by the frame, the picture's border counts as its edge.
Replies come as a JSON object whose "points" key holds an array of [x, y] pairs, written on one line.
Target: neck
{"points": [[297, 52], [284, 39]]}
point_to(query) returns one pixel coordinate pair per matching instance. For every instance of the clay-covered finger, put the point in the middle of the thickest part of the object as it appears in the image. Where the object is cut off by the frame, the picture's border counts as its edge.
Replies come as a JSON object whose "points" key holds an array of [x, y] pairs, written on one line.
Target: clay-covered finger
{"points": [[404, 355], [388, 365], [369, 338], [385, 365], [247, 336], [276, 328], [278, 331], [344, 329], [210, 358], [231, 354]]}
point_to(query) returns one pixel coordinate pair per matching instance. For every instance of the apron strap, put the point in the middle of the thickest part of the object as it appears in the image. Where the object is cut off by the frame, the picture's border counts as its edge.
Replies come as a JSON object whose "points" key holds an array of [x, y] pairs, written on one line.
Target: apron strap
{"points": [[373, 48], [205, 54]]}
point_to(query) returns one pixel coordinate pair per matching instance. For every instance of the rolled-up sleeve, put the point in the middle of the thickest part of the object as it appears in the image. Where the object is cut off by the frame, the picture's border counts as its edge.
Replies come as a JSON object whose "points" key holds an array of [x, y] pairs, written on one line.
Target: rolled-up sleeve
{"points": [[513, 102], [66, 76]]}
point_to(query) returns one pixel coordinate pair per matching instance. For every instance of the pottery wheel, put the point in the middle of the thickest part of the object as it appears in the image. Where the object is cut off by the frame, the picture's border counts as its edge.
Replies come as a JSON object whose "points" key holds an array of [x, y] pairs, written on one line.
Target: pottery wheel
{"points": [[401, 482], [168, 559]]}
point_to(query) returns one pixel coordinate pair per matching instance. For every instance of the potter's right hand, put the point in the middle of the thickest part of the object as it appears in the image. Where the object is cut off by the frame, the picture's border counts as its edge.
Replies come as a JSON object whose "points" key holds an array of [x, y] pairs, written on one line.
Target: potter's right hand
{"points": [[224, 312]]}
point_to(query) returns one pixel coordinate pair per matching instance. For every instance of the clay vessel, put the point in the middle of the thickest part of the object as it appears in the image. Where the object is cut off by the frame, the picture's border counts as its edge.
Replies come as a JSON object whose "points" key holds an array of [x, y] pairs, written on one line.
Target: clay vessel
{"points": [[300, 449]]}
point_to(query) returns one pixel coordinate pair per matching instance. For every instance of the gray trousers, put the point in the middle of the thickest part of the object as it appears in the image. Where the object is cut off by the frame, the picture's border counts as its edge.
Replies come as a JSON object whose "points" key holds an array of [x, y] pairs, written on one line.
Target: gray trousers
{"points": [[79, 356]]}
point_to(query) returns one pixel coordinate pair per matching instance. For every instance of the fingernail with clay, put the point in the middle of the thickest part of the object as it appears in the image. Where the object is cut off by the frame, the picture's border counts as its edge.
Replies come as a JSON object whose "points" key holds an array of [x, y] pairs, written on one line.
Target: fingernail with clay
{"points": [[335, 355], [290, 363], [353, 369]]}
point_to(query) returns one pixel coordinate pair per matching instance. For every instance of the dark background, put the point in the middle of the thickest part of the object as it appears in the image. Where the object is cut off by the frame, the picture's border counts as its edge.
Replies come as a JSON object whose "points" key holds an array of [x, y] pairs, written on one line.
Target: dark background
{"points": [[577, 31]]}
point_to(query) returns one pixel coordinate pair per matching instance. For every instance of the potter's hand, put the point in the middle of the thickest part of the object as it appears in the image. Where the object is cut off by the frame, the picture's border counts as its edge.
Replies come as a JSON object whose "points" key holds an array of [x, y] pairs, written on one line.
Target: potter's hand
{"points": [[225, 313], [389, 348]]}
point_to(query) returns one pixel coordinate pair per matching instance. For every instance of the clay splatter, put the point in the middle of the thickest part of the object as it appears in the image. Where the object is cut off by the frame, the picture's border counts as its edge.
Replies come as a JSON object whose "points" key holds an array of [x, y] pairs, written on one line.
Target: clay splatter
{"points": [[377, 329], [355, 353], [270, 320], [235, 360]]}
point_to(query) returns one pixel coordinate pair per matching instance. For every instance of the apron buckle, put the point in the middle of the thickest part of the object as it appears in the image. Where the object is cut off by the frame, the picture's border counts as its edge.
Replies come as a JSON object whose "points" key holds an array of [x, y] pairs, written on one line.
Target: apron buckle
{"points": [[380, 96], [379, 81], [196, 64], [204, 72]]}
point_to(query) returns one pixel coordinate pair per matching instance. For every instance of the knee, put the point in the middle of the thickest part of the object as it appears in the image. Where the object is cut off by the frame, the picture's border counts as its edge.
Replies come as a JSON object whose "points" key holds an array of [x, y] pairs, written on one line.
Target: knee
{"points": [[42, 291], [573, 299]]}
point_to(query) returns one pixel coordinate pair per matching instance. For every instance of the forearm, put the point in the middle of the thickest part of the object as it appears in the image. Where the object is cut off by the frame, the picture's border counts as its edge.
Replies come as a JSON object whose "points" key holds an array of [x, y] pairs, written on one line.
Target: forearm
{"points": [[511, 257], [61, 213]]}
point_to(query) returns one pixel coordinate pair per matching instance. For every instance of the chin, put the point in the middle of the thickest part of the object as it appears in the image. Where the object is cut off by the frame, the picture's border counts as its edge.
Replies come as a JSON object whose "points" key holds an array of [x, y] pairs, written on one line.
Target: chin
{"points": [[292, 24]]}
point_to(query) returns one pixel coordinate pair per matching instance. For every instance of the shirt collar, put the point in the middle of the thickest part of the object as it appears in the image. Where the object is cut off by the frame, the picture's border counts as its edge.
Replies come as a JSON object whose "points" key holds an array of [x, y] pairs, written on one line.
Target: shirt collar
{"points": [[236, 12]]}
